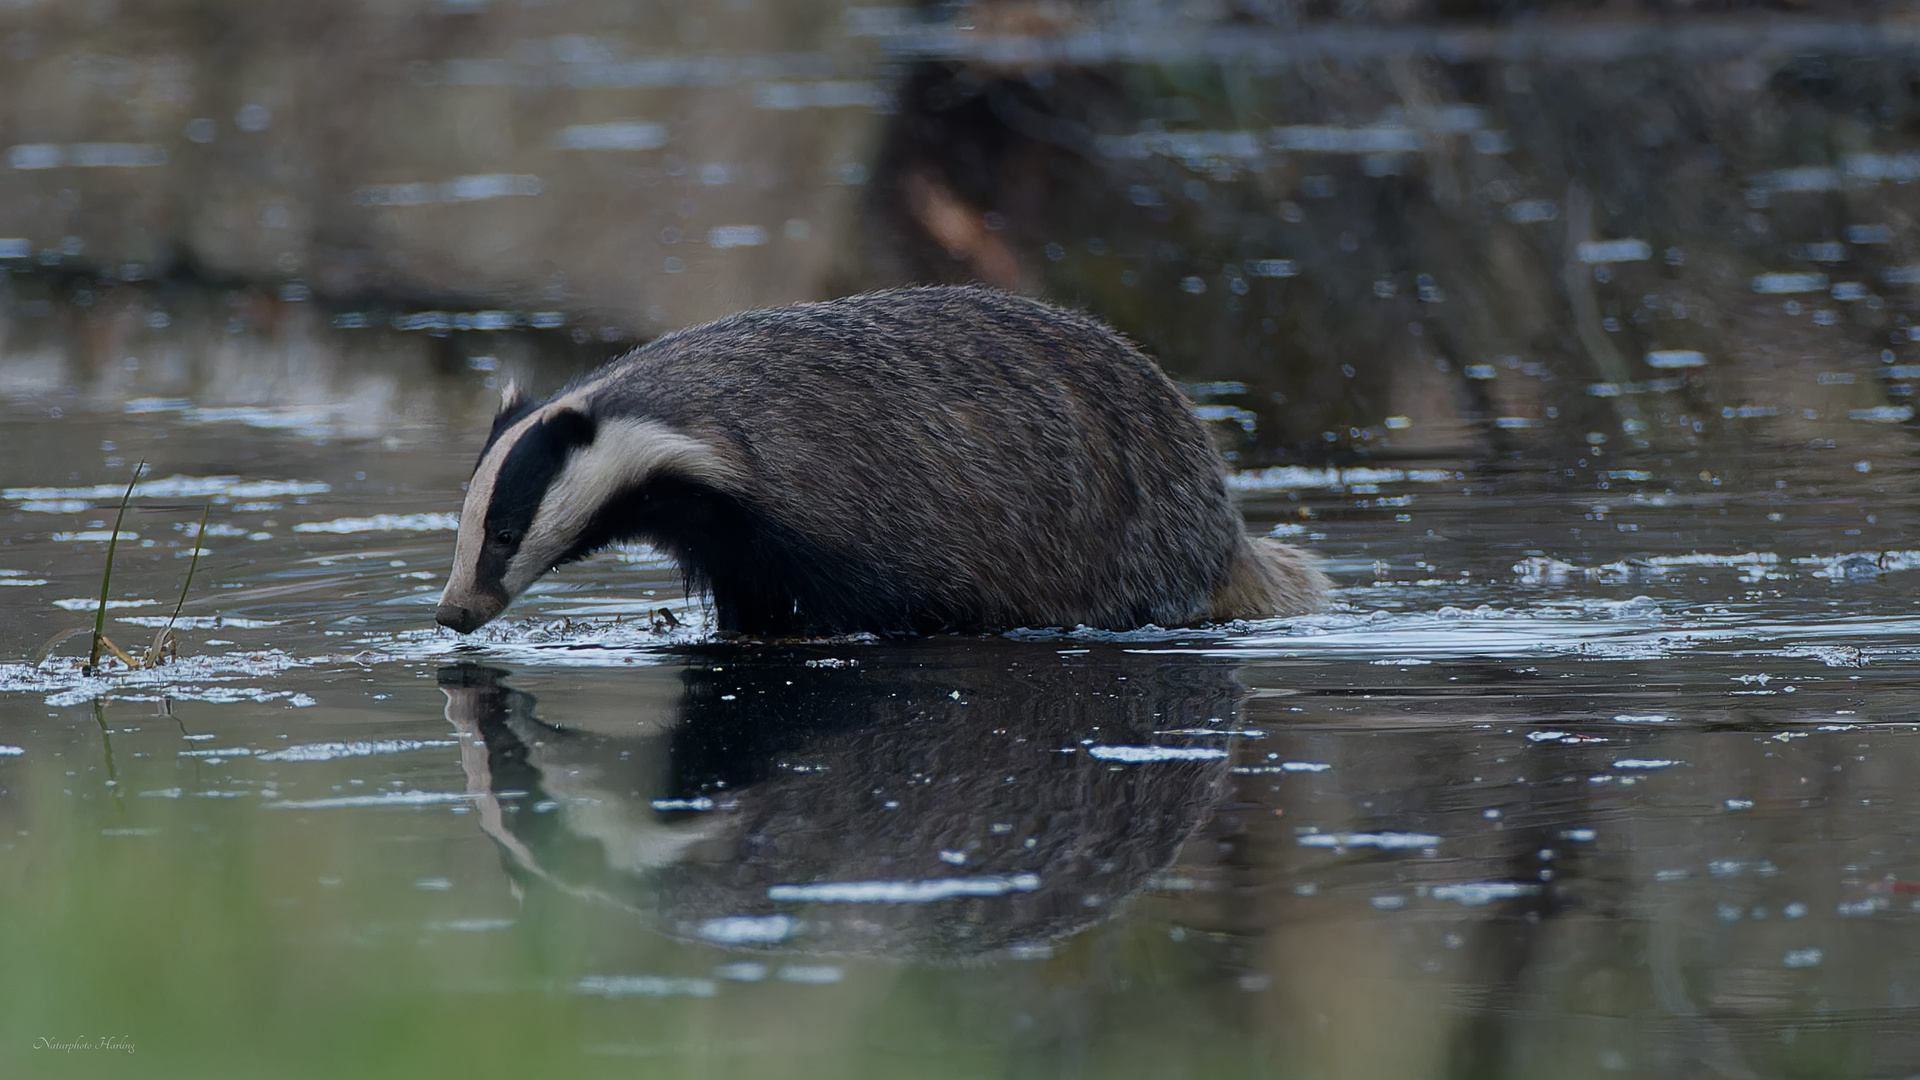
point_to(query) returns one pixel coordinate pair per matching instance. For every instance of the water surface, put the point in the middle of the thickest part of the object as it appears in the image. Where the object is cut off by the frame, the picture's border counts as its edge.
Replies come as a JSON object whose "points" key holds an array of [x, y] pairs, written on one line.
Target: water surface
{"points": [[1595, 770]]}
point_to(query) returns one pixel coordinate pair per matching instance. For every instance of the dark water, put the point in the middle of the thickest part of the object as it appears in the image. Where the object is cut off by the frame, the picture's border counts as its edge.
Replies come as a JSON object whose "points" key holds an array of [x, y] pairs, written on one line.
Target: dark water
{"points": [[1587, 774]]}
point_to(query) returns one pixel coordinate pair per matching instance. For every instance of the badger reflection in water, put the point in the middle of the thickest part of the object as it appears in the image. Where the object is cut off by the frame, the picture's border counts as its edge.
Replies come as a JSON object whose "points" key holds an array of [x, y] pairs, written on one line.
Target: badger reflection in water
{"points": [[924, 801]]}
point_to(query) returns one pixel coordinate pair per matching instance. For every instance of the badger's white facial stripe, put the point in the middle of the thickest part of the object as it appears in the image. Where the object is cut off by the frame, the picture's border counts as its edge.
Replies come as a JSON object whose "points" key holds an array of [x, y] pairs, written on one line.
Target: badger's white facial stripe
{"points": [[624, 454], [461, 585]]}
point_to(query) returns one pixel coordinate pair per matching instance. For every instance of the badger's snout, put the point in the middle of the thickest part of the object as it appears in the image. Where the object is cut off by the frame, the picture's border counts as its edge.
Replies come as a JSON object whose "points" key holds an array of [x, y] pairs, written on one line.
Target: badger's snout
{"points": [[460, 617]]}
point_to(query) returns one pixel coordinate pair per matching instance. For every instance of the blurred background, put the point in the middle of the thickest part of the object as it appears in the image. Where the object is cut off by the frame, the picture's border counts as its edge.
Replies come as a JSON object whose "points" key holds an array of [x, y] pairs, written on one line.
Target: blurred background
{"points": [[1355, 228]]}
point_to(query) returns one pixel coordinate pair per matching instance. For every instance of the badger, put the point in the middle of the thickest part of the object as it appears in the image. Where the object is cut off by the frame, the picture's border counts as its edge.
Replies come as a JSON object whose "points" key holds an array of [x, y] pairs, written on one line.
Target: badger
{"points": [[903, 462]]}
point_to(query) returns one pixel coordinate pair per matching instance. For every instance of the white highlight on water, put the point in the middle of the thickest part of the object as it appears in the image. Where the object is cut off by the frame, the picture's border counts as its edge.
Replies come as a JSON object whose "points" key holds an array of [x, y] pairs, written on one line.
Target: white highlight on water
{"points": [[619, 135], [1676, 358], [176, 487], [1803, 958], [460, 189], [812, 974], [733, 236], [619, 986], [1594, 252], [1385, 841], [1155, 753], [748, 929], [390, 798], [1781, 284], [384, 523], [1293, 477], [27, 156], [198, 622], [1480, 893], [329, 751], [902, 892], [471, 926]]}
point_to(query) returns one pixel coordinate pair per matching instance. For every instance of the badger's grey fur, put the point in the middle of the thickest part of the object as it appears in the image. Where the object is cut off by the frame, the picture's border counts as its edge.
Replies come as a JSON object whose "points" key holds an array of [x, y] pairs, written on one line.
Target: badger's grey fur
{"points": [[906, 461]]}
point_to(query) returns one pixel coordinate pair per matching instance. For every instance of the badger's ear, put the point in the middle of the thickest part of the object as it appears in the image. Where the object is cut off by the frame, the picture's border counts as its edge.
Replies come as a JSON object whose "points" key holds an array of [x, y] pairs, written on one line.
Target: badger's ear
{"points": [[512, 399], [514, 404], [570, 427]]}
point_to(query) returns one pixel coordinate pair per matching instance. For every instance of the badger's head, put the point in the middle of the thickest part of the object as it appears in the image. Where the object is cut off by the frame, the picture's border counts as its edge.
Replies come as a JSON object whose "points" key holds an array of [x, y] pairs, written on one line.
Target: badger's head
{"points": [[557, 481]]}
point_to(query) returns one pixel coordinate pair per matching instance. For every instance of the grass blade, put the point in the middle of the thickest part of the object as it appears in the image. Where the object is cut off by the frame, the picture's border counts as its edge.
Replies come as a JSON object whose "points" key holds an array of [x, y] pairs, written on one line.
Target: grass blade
{"points": [[46, 651], [199, 538], [132, 664], [106, 576], [160, 649]]}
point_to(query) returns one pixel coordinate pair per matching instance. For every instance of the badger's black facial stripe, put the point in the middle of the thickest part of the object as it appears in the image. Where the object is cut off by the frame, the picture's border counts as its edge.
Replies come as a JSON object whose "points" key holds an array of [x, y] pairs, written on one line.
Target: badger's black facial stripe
{"points": [[528, 470], [511, 410]]}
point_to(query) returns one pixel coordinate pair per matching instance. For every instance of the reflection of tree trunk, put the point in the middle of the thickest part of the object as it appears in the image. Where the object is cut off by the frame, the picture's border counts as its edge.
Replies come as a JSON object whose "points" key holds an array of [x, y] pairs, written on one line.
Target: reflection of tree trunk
{"points": [[1421, 387], [1409, 79], [1707, 1042], [1607, 361], [961, 230]]}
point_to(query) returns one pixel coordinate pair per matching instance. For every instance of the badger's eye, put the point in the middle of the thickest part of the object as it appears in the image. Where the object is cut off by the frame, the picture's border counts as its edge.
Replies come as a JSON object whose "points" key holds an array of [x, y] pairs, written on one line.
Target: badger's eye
{"points": [[505, 537]]}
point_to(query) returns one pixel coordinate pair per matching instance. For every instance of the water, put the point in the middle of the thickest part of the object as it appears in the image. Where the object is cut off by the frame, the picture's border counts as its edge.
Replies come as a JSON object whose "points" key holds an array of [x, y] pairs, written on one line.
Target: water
{"points": [[1583, 776]]}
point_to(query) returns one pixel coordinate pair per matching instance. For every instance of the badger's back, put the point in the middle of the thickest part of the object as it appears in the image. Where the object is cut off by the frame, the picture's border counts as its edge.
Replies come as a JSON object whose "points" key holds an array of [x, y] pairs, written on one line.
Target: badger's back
{"points": [[939, 458]]}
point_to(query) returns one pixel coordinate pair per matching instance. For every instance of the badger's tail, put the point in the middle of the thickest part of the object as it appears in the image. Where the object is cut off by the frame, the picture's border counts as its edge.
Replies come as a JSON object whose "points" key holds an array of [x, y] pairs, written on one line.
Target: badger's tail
{"points": [[1269, 578]]}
